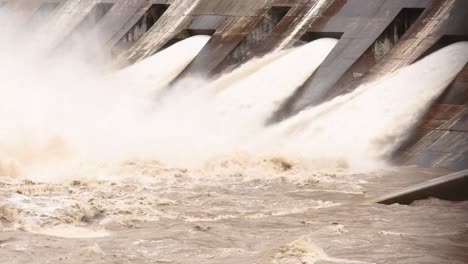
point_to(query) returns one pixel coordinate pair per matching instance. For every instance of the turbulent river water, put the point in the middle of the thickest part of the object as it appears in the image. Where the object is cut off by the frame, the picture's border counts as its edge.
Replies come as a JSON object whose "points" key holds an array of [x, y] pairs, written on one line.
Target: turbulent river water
{"points": [[126, 166]]}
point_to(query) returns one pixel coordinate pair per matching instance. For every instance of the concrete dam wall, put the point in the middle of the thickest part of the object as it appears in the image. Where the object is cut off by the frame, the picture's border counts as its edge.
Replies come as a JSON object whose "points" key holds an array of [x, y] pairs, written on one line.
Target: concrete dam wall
{"points": [[376, 38]]}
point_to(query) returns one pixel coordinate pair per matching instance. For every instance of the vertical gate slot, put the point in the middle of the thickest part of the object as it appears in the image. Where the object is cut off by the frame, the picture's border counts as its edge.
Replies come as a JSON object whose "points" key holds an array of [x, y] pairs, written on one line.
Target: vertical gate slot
{"points": [[393, 33], [261, 31], [143, 25]]}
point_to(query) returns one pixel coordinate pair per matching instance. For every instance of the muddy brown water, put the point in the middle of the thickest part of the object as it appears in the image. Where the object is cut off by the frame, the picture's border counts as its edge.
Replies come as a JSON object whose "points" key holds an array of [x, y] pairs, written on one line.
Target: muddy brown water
{"points": [[179, 216]]}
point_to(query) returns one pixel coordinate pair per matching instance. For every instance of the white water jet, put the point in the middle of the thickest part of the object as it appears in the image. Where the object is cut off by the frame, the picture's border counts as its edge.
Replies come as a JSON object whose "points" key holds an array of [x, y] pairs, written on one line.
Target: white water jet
{"points": [[246, 69], [157, 71], [61, 112], [363, 128], [253, 99], [196, 125]]}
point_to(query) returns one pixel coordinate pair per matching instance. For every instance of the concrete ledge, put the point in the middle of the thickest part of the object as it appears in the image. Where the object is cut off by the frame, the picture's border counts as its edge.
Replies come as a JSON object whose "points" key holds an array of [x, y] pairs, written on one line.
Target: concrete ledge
{"points": [[452, 187]]}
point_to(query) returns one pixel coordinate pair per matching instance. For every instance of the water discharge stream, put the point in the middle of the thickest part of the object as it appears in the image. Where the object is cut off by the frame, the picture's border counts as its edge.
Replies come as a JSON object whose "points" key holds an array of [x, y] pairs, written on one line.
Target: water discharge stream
{"points": [[66, 118], [157, 71], [362, 129]]}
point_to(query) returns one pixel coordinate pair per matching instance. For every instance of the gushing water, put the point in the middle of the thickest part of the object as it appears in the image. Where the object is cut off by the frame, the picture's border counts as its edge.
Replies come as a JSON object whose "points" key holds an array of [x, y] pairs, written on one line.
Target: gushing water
{"points": [[362, 129], [157, 71], [63, 117], [208, 125]]}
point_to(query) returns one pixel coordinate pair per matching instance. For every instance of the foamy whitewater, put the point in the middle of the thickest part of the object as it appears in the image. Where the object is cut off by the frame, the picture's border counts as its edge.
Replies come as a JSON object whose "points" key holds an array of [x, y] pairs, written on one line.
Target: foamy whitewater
{"points": [[64, 117], [364, 128]]}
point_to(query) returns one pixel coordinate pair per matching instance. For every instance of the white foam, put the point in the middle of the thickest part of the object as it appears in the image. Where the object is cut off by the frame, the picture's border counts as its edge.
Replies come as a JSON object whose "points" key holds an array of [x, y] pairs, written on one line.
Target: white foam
{"points": [[157, 71], [69, 231], [363, 128]]}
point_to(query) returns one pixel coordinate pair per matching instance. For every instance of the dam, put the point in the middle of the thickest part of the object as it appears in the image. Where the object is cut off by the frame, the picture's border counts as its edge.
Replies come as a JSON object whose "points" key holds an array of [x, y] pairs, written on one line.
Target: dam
{"points": [[234, 131]]}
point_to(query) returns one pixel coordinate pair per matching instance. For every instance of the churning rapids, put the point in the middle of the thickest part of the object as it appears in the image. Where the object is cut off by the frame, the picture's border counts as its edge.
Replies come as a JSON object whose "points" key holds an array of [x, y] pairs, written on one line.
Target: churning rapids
{"points": [[130, 166]]}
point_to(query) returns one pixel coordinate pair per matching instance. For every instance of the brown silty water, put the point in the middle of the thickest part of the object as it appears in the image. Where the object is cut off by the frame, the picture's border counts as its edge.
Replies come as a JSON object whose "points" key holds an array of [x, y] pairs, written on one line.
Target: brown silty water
{"points": [[229, 215]]}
